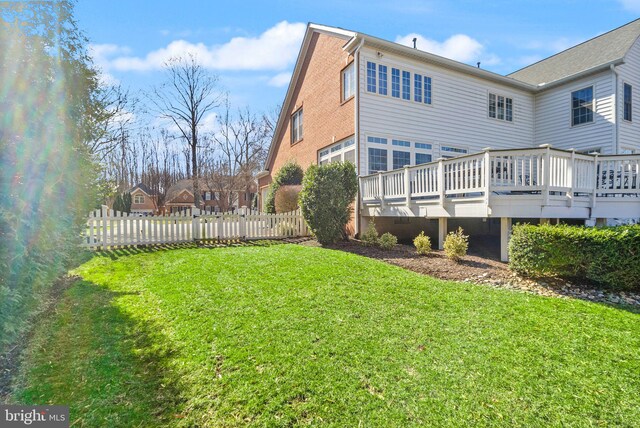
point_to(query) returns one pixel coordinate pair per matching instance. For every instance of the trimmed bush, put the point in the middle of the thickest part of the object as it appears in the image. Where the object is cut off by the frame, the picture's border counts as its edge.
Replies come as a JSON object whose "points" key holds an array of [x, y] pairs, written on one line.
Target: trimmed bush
{"points": [[287, 198], [328, 193], [609, 256], [370, 236], [290, 174], [388, 241], [456, 245], [422, 244]]}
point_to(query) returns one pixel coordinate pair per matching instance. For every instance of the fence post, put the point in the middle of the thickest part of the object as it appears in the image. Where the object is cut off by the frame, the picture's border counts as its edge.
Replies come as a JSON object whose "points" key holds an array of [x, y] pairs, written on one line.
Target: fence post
{"points": [[195, 224], [103, 220], [242, 222]]}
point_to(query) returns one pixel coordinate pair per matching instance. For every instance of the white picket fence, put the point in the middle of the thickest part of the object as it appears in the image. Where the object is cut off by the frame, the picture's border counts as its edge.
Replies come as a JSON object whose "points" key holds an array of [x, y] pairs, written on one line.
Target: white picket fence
{"points": [[107, 228]]}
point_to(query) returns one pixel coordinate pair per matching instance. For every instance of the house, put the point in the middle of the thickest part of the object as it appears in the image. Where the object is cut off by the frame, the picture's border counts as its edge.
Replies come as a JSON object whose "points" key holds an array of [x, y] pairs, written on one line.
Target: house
{"points": [[180, 197], [558, 139], [143, 200]]}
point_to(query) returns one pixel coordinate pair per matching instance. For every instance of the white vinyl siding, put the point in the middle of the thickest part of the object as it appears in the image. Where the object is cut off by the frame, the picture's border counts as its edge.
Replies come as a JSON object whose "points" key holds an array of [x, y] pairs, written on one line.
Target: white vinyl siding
{"points": [[629, 73], [456, 117], [553, 116]]}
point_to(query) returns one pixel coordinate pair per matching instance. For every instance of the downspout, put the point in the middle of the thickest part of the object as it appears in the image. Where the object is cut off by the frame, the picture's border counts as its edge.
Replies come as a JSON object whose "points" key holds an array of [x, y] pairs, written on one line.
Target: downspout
{"points": [[356, 118], [616, 123]]}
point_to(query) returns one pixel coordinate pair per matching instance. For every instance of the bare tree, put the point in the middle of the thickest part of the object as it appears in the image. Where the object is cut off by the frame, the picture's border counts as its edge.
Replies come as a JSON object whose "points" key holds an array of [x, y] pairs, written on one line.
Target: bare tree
{"points": [[114, 122], [187, 95], [237, 153]]}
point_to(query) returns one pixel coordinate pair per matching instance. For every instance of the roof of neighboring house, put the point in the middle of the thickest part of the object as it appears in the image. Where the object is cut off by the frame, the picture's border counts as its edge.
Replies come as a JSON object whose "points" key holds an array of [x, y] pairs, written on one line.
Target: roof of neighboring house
{"points": [[178, 187], [603, 50], [143, 187]]}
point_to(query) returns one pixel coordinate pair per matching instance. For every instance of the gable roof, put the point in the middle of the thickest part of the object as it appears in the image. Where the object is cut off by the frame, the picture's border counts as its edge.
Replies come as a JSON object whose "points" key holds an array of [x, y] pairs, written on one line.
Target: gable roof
{"points": [[143, 187], [608, 48], [178, 187]]}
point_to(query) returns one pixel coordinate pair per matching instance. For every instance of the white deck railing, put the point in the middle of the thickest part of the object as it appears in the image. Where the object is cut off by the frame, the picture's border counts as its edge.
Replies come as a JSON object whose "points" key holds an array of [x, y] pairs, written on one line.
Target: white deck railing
{"points": [[543, 171]]}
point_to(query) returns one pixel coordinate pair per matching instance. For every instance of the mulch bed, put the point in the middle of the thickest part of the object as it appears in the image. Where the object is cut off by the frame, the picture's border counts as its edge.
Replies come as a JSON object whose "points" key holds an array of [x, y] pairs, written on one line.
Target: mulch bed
{"points": [[478, 268]]}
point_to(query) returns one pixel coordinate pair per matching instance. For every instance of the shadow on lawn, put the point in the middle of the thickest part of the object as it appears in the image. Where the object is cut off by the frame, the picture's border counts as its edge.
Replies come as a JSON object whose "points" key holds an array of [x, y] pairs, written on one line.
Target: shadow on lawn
{"points": [[110, 368]]}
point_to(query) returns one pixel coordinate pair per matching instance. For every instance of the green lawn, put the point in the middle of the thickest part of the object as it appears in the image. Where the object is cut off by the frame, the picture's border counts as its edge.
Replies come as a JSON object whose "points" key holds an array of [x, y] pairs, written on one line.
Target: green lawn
{"points": [[291, 335]]}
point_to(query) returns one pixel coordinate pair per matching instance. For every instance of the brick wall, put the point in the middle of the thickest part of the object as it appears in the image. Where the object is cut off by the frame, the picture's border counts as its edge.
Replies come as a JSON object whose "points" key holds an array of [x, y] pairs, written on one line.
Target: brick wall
{"points": [[326, 119]]}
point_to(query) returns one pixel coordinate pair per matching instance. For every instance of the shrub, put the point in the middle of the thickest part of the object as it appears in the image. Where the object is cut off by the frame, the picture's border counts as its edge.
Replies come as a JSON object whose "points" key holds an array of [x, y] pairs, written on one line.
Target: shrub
{"points": [[287, 198], [328, 192], [456, 245], [609, 256], [290, 174], [388, 241], [370, 236], [422, 244]]}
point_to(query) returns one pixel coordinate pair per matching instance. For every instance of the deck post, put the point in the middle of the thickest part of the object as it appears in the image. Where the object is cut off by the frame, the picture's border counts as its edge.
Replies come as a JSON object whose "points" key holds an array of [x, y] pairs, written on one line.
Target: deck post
{"points": [[407, 185], [487, 174], [570, 176], [546, 171], [596, 179], [381, 188], [441, 181], [505, 234], [442, 232]]}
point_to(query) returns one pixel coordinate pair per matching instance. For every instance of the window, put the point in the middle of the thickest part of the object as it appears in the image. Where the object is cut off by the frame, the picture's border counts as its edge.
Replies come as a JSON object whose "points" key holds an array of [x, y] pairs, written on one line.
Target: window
{"points": [[377, 160], [401, 143], [423, 146], [371, 76], [296, 126], [582, 106], [348, 82], [395, 83], [207, 196], [406, 85], [422, 158], [377, 140], [138, 199], [427, 90], [401, 159], [500, 107], [628, 115], [342, 151], [417, 88], [451, 152], [382, 79]]}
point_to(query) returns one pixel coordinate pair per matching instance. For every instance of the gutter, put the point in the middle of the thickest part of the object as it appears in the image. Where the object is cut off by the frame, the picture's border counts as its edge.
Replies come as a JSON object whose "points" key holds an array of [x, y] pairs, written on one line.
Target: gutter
{"points": [[616, 122], [584, 73], [356, 119]]}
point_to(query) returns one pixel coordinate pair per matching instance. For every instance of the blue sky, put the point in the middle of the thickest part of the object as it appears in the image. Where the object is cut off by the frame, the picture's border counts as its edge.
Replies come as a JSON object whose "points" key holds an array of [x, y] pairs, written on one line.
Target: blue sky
{"points": [[252, 45]]}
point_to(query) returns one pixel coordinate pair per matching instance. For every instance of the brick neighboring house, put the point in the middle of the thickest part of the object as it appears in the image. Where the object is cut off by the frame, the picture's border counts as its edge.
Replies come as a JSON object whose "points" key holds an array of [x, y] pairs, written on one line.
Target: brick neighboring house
{"points": [[180, 198], [143, 200]]}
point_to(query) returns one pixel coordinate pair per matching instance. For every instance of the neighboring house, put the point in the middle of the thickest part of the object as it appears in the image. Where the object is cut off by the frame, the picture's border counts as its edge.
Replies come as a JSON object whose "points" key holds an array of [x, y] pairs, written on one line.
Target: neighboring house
{"points": [[143, 200], [384, 106], [180, 197]]}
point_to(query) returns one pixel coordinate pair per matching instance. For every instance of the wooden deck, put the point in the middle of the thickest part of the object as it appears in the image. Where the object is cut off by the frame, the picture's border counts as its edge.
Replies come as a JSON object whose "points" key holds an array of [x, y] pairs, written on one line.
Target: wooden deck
{"points": [[520, 183]]}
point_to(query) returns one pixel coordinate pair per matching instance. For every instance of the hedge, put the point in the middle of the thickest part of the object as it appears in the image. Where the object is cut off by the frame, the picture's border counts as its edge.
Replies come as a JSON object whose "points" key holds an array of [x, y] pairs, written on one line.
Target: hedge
{"points": [[609, 256], [326, 199], [290, 174]]}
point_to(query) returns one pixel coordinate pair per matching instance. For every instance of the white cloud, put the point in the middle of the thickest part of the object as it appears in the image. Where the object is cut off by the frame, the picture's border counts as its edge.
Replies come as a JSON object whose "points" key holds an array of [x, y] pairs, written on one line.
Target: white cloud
{"points": [[631, 5], [280, 79], [459, 47], [107, 79], [275, 49]]}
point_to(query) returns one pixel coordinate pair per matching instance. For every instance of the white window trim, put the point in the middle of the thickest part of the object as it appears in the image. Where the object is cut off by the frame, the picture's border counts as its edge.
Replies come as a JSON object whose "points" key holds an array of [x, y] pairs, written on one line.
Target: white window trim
{"points": [[389, 147], [135, 197], [623, 118], [341, 152], [451, 155], [351, 66], [412, 72], [593, 105], [513, 106]]}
